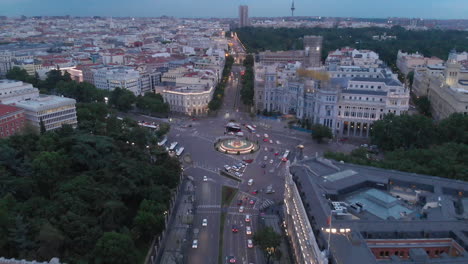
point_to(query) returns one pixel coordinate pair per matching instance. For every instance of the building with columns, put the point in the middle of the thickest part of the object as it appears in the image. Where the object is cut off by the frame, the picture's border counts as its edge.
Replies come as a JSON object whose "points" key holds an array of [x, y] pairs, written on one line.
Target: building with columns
{"points": [[347, 98], [190, 100]]}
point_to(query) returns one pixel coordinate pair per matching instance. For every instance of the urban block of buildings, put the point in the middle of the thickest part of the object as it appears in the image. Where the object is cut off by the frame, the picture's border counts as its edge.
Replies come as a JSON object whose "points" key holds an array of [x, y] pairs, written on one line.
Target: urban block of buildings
{"points": [[446, 85], [407, 63], [182, 59], [33, 108], [309, 57], [354, 214], [352, 90]]}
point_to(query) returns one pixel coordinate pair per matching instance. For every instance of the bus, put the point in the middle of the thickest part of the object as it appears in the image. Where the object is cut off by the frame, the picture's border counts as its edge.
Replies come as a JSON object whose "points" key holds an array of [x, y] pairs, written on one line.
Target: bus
{"points": [[285, 156], [148, 125], [233, 127], [250, 128], [173, 145], [179, 151], [162, 142]]}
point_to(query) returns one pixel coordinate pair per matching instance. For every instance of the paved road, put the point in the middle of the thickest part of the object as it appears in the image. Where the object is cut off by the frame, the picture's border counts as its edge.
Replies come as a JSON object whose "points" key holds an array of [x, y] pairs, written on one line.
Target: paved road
{"points": [[198, 137]]}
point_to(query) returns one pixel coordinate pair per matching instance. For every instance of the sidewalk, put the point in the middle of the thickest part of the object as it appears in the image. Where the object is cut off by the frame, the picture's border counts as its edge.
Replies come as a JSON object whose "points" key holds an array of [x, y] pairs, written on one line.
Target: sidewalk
{"points": [[178, 237], [273, 221]]}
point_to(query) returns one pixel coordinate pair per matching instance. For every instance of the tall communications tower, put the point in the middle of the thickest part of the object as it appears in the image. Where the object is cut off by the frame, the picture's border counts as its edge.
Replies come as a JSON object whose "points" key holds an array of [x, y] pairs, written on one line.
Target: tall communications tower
{"points": [[292, 8]]}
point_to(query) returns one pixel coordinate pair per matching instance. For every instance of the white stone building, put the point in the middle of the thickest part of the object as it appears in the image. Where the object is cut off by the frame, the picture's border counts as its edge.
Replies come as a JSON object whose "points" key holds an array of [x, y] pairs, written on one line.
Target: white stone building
{"points": [[446, 86], [189, 100], [109, 78], [12, 91], [54, 111]]}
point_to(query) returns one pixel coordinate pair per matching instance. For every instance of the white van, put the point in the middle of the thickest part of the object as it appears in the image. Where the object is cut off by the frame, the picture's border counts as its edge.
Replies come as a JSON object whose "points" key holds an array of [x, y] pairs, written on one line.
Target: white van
{"points": [[250, 182]]}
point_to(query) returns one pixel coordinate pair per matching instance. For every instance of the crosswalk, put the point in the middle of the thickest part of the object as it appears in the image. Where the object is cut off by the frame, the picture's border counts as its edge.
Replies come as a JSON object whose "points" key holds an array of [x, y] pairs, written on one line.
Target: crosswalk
{"points": [[209, 206], [265, 204]]}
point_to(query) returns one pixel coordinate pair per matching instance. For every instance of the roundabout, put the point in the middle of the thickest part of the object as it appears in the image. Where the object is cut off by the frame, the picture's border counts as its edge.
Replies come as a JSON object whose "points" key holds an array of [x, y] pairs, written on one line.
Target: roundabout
{"points": [[236, 146]]}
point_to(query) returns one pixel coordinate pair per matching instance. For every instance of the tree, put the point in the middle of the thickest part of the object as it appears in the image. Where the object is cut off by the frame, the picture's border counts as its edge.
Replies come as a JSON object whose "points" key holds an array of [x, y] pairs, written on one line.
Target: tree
{"points": [[50, 241], [410, 78], [268, 241], [114, 248], [48, 169], [454, 129], [404, 131], [424, 105], [319, 132], [152, 103], [149, 221], [122, 99], [17, 73]]}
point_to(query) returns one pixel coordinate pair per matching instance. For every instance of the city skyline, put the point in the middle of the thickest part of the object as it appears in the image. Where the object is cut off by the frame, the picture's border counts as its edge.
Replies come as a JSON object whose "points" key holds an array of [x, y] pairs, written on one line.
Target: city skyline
{"points": [[449, 9]]}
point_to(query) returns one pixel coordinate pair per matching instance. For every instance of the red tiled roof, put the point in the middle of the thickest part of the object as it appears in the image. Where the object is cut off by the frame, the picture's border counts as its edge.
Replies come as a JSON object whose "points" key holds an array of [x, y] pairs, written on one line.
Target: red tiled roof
{"points": [[7, 109]]}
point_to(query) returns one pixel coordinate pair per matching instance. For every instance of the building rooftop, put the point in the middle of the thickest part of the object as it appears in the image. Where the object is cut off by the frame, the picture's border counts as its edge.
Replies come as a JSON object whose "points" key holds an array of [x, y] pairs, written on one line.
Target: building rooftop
{"points": [[8, 109], [395, 206], [45, 102], [387, 81]]}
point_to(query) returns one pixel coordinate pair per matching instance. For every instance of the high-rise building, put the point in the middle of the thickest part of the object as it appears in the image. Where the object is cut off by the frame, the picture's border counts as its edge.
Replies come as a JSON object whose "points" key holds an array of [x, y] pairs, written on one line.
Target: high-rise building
{"points": [[243, 16], [313, 50]]}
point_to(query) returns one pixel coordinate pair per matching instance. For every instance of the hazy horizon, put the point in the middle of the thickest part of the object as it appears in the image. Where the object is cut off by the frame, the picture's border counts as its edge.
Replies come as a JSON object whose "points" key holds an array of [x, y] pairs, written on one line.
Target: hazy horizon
{"points": [[426, 9]]}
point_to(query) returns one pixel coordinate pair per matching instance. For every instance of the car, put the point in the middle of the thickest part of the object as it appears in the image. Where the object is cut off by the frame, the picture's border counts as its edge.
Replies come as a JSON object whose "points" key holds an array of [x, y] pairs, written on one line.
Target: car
{"points": [[247, 218], [276, 153], [266, 149], [235, 229], [271, 161], [265, 135], [271, 141], [227, 168], [263, 165], [250, 182], [265, 140], [205, 178], [265, 158], [195, 243], [239, 202], [248, 230], [205, 222], [255, 192], [277, 142], [231, 259], [252, 202], [241, 209], [249, 243], [258, 135], [343, 139]]}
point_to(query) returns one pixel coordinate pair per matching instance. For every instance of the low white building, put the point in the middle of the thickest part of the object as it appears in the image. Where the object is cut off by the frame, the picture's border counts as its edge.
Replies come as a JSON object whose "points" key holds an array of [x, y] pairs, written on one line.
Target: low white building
{"points": [[190, 100], [12, 91], [109, 78], [53, 111]]}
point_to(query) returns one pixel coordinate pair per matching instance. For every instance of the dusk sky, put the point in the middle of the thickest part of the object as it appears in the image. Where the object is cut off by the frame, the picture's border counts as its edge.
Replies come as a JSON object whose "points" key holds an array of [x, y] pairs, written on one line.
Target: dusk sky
{"points": [[442, 9]]}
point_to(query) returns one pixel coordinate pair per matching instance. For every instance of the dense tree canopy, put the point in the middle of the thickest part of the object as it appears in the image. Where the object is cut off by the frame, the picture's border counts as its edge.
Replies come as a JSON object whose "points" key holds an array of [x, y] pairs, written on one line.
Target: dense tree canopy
{"points": [[85, 195], [122, 99], [218, 95], [152, 104], [430, 42], [247, 90], [418, 144]]}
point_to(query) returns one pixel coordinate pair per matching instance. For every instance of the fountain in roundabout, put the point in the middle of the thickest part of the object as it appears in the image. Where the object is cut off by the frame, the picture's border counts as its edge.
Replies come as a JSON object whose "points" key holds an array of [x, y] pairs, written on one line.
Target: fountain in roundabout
{"points": [[236, 146]]}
